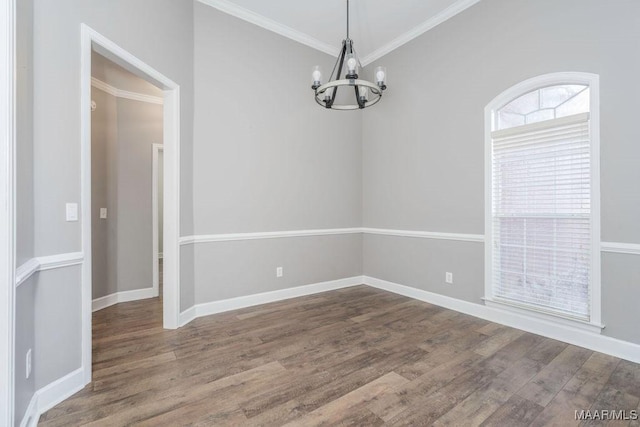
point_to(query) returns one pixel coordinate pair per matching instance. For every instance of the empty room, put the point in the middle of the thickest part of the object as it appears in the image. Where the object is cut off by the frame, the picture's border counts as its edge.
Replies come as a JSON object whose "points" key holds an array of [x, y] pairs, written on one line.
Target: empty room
{"points": [[349, 212]]}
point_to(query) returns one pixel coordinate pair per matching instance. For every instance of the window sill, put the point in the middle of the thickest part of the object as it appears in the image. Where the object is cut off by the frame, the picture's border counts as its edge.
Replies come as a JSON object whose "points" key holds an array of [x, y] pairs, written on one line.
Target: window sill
{"points": [[538, 315]]}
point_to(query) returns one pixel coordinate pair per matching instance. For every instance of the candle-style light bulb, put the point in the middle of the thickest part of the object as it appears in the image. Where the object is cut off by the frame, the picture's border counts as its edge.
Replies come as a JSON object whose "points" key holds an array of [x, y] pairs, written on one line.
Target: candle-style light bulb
{"points": [[351, 64], [363, 92], [316, 77], [381, 77]]}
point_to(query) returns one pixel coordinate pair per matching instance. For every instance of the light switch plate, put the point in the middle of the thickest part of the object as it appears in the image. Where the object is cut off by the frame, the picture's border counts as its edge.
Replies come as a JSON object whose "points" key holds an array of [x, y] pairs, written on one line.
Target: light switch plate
{"points": [[72, 211], [103, 213]]}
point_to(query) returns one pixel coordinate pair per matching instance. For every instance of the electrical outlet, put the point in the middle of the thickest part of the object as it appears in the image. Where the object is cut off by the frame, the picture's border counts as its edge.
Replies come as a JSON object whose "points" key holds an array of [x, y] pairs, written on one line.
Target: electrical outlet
{"points": [[279, 272], [448, 277], [103, 213], [28, 364]]}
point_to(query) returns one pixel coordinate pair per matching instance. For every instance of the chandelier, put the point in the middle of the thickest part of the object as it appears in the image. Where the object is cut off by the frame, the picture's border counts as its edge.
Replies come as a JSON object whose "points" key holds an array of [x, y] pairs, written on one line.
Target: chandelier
{"points": [[366, 93]]}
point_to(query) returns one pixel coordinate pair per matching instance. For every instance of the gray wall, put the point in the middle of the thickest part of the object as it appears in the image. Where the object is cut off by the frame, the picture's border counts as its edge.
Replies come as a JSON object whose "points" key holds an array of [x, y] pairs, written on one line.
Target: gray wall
{"points": [[232, 269], [266, 158], [57, 328], [424, 149], [24, 310], [24, 132], [25, 340], [139, 126], [104, 194], [160, 33]]}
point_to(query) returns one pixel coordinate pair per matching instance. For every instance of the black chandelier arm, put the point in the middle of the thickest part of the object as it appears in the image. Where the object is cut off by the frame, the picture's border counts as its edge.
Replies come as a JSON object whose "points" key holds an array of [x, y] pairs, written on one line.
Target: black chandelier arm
{"points": [[341, 61]]}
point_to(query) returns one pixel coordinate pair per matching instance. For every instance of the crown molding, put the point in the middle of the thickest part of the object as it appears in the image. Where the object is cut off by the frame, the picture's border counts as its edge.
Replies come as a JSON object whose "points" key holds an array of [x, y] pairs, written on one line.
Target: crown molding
{"points": [[99, 84], [233, 9], [271, 25], [119, 93], [430, 23]]}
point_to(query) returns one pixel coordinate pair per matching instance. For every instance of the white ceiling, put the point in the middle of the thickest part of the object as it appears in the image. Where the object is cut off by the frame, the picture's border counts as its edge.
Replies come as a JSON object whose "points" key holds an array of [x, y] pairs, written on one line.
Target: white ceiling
{"points": [[377, 26]]}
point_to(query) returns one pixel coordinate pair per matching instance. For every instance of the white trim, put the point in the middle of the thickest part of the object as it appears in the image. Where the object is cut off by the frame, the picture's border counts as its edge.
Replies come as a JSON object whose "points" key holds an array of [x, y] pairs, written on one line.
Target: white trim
{"points": [[221, 306], [427, 25], [60, 260], [7, 208], [188, 315], [50, 262], [155, 254], [92, 40], [123, 296], [104, 302], [207, 238], [27, 270], [615, 247], [574, 119], [30, 417], [528, 312], [271, 25], [620, 248], [59, 390], [119, 93], [550, 329], [593, 81], [99, 84], [425, 234], [171, 210], [85, 196]]}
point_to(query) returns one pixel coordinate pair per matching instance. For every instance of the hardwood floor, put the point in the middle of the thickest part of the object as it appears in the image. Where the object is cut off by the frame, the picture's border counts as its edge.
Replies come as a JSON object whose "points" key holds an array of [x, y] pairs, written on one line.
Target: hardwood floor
{"points": [[357, 356]]}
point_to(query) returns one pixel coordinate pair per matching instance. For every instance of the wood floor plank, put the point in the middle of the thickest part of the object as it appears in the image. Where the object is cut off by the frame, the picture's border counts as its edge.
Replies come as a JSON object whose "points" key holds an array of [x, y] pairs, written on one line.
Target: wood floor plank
{"points": [[626, 378], [215, 392], [516, 412], [552, 378], [332, 412]]}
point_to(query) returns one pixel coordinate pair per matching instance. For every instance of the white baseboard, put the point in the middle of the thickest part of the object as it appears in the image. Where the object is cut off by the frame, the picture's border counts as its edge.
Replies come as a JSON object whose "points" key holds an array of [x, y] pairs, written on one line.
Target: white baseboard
{"points": [[566, 333], [52, 394], [124, 296], [30, 418], [221, 306], [187, 316]]}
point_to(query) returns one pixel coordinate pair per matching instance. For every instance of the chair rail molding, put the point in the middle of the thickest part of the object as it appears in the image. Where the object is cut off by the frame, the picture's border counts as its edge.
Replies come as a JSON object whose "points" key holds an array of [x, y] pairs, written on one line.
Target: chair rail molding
{"points": [[620, 248], [50, 262]]}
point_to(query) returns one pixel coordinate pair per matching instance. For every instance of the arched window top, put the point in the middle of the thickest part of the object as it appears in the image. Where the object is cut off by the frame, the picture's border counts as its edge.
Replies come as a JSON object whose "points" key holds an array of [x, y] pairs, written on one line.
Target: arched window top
{"points": [[542, 104]]}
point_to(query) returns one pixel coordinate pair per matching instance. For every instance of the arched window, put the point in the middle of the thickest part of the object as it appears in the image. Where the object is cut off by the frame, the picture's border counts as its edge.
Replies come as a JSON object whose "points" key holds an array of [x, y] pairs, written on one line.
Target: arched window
{"points": [[542, 197]]}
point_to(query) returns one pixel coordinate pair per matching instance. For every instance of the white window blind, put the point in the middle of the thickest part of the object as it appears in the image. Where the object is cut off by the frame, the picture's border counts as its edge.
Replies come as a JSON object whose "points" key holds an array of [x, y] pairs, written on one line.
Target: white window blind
{"points": [[541, 216]]}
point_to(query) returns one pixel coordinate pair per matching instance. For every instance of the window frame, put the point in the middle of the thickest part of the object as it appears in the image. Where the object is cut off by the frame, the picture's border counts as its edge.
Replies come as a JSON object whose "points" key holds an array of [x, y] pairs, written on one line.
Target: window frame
{"points": [[522, 88]]}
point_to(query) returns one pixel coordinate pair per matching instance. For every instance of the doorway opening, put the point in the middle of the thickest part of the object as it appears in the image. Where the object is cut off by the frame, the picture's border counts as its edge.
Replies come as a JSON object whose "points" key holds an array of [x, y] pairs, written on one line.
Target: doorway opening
{"points": [[95, 44]]}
